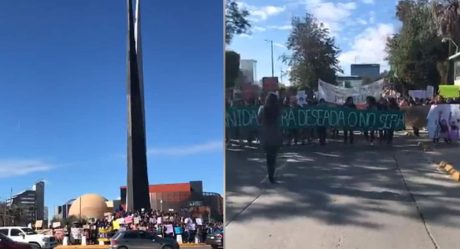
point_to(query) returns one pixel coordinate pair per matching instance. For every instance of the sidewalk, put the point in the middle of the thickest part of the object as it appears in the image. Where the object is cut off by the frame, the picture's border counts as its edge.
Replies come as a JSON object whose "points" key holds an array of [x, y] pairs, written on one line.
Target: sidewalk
{"points": [[437, 196]]}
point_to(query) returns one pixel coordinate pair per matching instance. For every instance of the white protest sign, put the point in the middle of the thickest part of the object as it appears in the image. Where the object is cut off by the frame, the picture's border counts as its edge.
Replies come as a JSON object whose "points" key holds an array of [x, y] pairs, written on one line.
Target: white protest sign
{"points": [[56, 224], [199, 222], [335, 94], [443, 121], [429, 91], [137, 220], [301, 98], [159, 220], [418, 94]]}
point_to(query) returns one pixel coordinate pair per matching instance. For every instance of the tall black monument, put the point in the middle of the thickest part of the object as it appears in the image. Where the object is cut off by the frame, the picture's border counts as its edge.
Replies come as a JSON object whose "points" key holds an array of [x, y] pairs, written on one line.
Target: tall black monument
{"points": [[138, 183]]}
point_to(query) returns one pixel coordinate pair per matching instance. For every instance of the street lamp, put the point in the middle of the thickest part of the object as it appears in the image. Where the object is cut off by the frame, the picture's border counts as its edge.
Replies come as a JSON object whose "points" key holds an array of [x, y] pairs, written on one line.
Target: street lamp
{"points": [[271, 46], [445, 39]]}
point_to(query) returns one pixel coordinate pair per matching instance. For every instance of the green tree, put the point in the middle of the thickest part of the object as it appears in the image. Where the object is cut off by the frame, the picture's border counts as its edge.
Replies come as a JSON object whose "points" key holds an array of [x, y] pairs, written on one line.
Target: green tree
{"points": [[236, 21], [312, 53], [416, 52], [232, 68]]}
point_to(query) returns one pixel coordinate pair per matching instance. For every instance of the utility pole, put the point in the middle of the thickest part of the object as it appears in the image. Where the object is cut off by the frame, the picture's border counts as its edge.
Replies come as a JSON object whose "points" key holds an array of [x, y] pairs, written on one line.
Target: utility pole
{"points": [[273, 65]]}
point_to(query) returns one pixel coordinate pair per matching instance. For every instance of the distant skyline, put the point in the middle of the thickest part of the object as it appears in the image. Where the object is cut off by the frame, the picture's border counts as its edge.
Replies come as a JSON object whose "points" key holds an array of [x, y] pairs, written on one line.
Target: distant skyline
{"points": [[63, 99], [360, 29]]}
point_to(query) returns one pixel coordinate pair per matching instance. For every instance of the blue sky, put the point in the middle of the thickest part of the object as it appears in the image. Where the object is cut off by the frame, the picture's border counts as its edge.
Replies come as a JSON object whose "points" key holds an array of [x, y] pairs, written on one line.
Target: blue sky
{"points": [[360, 28], [63, 96]]}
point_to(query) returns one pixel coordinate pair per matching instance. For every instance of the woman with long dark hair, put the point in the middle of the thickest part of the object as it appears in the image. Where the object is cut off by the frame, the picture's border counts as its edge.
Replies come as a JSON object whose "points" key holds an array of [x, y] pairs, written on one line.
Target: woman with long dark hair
{"points": [[270, 133], [348, 131]]}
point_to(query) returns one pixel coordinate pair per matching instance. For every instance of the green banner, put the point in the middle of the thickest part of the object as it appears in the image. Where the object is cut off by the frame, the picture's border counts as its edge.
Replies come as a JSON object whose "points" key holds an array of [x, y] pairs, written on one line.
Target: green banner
{"points": [[320, 116]]}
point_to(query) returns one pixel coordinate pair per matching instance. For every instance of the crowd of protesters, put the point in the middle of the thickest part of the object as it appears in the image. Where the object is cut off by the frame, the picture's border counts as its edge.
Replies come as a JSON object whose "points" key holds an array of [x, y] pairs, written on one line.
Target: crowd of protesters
{"points": [[294, 136], [164, 224]]}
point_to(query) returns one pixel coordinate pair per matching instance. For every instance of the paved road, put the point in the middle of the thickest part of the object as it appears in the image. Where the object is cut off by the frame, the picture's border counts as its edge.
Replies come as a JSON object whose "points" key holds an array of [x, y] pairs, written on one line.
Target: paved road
{"points": [[341, 196]]}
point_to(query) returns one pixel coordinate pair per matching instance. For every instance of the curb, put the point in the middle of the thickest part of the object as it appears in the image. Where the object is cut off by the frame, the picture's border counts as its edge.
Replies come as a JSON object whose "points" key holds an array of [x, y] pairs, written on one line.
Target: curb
{"points": [[450, 169], [186, 245]]}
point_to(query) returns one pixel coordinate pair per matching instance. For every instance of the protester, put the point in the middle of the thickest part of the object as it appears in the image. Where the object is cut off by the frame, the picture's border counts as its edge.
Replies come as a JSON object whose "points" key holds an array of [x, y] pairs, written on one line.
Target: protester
{"points": [[371, 106], [348, 132], [322, 131], [270, 132], [382, 105], [392, 106]]}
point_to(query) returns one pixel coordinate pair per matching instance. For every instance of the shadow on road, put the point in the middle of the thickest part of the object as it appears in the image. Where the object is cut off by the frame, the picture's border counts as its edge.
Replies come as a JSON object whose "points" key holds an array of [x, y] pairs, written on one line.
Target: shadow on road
{"points": [[323, 182]]}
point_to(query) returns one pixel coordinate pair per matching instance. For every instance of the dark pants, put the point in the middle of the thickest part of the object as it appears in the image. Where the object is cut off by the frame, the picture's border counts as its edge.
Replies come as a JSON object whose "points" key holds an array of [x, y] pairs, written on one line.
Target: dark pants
{"points": [[322, 135], [382, 135], [390, 134], [416, 131], [369, 135], [192, 236], [346, 134], [271, 153]]}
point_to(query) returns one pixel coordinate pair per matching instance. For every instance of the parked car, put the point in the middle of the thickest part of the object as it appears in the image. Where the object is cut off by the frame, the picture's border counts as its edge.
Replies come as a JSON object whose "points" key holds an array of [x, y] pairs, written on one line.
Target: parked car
{"points": [[27, 235], [141, 240], [216, 239], [7, 243]]}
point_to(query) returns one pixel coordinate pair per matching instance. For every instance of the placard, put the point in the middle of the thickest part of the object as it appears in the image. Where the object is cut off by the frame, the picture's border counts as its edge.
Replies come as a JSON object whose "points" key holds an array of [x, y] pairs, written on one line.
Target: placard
{"points": [[270, 84], [301, 98], [56, 224], [429, 91], [444, 121], [335, 94], [199, 221], [449, 91], [38, 224]]}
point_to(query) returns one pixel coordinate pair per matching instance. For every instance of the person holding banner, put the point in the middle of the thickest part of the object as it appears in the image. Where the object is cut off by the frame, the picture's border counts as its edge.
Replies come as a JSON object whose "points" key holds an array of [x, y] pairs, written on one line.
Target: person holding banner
{"points": [[322, 130], [270, 132], [371, 103], [392, 106], [348, 132]]}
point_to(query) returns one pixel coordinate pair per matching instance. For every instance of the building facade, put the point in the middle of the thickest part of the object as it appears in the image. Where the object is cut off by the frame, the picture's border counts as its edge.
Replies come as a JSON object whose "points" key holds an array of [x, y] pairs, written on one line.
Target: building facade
{"points": [[29, 205], [370, 71], [183, 197], [62, 212], [248, 68]]}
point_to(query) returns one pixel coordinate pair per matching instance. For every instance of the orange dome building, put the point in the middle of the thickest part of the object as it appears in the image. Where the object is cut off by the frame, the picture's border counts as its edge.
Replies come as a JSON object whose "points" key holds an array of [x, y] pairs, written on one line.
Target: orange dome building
{"points": [[89, 206]]}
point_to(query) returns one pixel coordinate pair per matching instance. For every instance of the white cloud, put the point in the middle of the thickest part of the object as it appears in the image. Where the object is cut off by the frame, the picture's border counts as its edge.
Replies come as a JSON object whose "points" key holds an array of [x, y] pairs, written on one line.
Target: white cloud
{"points": [[245, 36], [372, 17], [11, 168], [262, 13], [281, 27], [332, 15], [368, 47], [368, 1], [361, 21], [258, 28], [213, 146], [276, 44]]}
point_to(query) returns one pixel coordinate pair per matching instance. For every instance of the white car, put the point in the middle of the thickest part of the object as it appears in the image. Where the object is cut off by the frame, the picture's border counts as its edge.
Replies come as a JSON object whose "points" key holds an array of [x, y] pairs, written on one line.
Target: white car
{"points": [[27, 235]]}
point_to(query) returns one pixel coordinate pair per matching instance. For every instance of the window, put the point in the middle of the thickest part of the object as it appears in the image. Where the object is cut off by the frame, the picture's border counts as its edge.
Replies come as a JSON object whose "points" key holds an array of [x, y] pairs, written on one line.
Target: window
{"points": [[4, 231], [16, 232], [29, 231], [131, 235], [145, 235]]}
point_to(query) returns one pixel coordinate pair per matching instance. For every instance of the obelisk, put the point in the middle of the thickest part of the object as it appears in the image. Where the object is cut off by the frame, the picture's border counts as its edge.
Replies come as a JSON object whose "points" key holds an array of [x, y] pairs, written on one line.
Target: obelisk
{"points": [[137, 194]]}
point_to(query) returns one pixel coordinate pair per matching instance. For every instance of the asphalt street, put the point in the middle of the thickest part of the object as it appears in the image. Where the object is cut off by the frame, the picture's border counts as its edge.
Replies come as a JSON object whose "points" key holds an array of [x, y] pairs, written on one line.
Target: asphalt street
{"points": [[341, 196]]}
